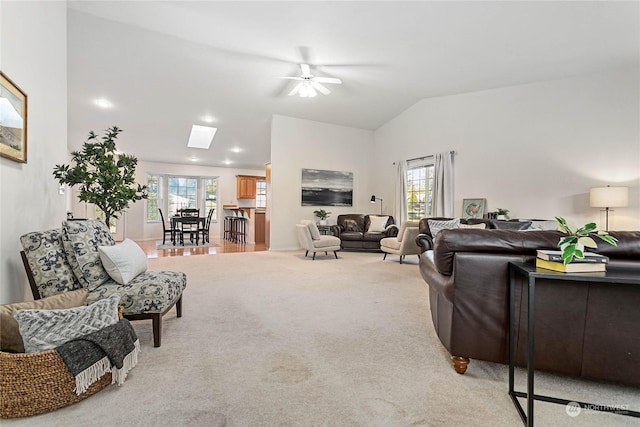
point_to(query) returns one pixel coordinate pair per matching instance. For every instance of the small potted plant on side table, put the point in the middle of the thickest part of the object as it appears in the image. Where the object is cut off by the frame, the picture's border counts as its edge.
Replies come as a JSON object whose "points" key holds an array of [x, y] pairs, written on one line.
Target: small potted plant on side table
{"points": [[323, 215], [502, 214]]}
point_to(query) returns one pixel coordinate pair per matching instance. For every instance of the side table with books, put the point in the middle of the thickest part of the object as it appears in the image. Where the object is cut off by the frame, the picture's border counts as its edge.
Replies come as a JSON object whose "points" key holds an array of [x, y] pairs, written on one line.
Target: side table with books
{"points": [[552, 260]]}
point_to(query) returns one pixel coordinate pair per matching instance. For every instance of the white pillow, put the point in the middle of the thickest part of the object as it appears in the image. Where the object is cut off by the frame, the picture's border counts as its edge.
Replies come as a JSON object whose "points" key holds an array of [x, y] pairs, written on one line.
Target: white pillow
{"points": [[46, 329], [480, 226], [436, 225], [123, 261], [377, 223]]}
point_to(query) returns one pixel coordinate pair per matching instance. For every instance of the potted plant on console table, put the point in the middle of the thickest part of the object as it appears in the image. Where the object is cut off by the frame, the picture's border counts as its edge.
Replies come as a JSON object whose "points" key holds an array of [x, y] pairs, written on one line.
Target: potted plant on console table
{"points": [[573, 244]]}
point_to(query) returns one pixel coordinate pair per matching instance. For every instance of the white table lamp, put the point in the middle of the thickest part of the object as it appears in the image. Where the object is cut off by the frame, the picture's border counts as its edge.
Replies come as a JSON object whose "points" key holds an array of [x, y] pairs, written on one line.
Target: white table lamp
{"points": [[608, 197]]}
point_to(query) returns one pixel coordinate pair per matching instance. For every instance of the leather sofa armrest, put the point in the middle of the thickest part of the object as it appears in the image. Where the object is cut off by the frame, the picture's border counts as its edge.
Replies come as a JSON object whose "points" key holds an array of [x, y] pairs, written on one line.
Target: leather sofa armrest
{"points": [[336, 230], [425, 242], [391, 231]]}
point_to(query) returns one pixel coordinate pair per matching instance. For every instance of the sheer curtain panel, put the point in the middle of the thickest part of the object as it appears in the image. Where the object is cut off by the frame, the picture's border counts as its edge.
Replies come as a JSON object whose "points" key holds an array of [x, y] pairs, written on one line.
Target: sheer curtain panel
{"points": [[443, 185]]}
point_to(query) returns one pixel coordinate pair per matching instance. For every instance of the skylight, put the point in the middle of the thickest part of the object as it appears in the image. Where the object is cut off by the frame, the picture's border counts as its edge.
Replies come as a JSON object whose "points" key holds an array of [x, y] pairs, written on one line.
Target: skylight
{"points": [[201, 137]]}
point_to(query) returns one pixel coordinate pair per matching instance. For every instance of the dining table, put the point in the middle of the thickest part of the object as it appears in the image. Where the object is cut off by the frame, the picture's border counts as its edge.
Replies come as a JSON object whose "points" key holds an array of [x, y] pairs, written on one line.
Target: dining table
{"points": [[176, 220]]}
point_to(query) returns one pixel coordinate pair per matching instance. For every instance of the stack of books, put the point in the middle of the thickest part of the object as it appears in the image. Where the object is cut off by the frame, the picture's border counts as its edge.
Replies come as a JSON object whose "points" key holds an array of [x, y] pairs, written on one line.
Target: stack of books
{"points": [[552, 260]]}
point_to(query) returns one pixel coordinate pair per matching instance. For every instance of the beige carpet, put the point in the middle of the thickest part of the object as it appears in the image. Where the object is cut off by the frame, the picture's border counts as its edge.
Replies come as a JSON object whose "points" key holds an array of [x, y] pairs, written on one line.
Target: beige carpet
{"points": [[274, 339]]}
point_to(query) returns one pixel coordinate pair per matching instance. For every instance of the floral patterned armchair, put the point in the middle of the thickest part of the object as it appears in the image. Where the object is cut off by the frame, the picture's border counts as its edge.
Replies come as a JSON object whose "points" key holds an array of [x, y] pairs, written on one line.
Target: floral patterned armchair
{"points": [[67, 258]]}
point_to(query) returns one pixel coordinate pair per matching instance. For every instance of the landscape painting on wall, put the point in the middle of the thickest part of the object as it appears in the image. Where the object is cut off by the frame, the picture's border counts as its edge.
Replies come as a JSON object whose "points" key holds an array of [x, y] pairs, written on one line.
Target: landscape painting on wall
{"points": [[327, 188], [13, 121]]}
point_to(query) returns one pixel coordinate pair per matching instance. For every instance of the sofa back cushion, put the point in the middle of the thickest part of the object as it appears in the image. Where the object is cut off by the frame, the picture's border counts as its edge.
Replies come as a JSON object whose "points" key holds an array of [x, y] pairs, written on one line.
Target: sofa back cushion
{"points": [[82, 239], [512, 242], [47, 259]]}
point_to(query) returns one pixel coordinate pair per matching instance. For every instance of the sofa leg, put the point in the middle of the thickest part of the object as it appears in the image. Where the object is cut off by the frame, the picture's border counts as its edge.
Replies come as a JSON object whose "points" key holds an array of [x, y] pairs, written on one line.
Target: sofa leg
{"points": [[385, 256], [157, 328], [314, 257], [401, 257], [460, 364], [306, 253], [336, 254], [179, 307]]}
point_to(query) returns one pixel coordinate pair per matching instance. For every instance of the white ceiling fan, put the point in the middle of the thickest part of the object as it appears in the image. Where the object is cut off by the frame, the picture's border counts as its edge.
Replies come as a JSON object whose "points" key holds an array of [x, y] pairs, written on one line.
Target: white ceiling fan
{"points": [[309, 83]]}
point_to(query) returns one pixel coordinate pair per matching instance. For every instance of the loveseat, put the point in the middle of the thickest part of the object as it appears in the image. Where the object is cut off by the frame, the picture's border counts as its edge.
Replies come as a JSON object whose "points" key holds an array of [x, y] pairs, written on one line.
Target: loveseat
{"points": [[69, 258], [583, 329], [364, 232]]}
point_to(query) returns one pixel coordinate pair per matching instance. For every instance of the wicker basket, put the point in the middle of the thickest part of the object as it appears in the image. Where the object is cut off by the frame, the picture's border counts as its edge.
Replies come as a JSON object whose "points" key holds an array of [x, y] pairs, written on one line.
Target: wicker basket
{"points": [[35, 383]]}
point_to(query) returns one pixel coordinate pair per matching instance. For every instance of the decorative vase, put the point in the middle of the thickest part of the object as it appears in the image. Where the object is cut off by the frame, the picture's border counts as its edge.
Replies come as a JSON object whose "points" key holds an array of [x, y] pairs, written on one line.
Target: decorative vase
{"points": [[501, 217], [323, 222]]}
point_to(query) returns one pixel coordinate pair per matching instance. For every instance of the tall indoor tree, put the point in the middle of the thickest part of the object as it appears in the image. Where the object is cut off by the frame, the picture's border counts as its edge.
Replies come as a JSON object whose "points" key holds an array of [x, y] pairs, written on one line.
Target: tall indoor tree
{"points": [[106, 177]]}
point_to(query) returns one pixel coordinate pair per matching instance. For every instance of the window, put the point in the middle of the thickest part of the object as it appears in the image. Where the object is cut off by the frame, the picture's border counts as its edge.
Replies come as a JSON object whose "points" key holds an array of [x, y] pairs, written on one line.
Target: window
{"points": [[154, 200], [419, 189], [210, 186], [171, 192], [182, 193], [261, 193]]}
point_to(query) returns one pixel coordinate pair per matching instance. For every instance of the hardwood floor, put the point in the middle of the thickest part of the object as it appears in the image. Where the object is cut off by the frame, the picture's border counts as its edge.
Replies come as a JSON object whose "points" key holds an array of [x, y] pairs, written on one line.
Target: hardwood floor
{"points": [[149, 248]]}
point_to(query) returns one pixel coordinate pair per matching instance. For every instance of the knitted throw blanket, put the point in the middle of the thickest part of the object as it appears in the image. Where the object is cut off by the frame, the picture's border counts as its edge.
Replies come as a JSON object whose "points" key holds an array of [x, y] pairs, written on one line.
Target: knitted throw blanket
{"points": [[112, 349]]}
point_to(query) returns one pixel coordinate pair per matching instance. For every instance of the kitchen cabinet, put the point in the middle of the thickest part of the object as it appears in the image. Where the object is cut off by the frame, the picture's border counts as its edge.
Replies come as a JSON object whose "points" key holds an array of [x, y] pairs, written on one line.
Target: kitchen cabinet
{"points": [[246, 186]]}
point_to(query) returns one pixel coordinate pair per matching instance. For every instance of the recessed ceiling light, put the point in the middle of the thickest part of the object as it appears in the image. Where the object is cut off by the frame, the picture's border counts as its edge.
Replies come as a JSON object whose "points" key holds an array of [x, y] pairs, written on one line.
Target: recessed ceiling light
{"points": [[236, 149], [193, 159], [201, 137], [103, 103], [208, 119], [227, 162]]}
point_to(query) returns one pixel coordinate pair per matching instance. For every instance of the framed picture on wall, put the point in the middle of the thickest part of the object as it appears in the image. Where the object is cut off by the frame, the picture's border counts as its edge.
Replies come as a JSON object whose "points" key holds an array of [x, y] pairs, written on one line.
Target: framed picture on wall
{"points": [[13, 121], [326, 188], [473, 208]]}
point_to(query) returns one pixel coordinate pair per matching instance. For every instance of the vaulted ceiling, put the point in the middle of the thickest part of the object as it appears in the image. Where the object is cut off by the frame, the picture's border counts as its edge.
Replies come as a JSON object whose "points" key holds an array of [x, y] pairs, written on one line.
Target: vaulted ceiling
{"points": [[167, 65]]}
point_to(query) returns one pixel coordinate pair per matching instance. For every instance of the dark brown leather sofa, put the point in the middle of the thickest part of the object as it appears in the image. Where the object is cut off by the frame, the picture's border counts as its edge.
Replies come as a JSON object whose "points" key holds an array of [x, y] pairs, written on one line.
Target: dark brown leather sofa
{"points": [[584, 329], [353, 231]]}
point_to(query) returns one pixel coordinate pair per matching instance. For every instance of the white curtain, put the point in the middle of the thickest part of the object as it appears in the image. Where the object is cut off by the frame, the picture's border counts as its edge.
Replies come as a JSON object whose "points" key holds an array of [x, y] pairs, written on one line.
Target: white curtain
{"points": [[442, 204], [400, 201]]}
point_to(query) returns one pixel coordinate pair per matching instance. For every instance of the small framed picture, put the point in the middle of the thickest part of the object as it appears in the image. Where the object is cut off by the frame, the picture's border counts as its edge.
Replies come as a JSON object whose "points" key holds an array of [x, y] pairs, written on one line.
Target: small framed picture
{"points": [[13, 121], [473, 208]]}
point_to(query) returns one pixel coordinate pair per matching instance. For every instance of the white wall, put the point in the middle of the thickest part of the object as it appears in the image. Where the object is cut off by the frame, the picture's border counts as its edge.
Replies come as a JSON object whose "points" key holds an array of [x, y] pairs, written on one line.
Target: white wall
{"points": [[33, 54], [137, 228], [303, 144], [535, 149]]}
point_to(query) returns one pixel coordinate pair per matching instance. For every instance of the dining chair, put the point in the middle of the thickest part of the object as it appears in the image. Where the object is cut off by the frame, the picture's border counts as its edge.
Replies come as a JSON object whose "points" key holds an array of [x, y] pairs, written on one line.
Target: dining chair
{"points": [[207, 226], [171, 231], [189, 225]]}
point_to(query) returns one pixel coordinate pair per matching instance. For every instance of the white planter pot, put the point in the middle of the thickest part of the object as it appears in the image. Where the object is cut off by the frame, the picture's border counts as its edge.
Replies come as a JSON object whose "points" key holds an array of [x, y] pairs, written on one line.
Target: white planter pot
{"points": [[323, 222], [502, 217]]}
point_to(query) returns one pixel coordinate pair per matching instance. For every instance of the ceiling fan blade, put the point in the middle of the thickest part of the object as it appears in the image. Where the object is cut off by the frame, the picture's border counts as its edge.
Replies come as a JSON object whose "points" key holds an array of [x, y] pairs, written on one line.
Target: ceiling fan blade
{"points": [[306, 71], [291, 78], [331, 80], [296, 89], [323, 90]]}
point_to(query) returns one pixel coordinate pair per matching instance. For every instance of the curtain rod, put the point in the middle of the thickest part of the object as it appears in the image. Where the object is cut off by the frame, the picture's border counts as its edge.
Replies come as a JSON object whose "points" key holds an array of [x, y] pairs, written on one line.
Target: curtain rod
{"points": [[424, 157]]}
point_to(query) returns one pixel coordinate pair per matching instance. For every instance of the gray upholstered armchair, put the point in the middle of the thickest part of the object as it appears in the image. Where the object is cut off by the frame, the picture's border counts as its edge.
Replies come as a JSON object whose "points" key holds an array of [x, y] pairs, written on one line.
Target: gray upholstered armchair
{"points": [[312, 241], [404, 243]]}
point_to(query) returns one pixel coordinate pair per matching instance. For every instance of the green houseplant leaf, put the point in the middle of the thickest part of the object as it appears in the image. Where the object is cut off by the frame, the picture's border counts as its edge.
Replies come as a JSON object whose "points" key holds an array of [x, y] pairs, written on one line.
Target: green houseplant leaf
{"points": [[105, 177], [572, 245]]}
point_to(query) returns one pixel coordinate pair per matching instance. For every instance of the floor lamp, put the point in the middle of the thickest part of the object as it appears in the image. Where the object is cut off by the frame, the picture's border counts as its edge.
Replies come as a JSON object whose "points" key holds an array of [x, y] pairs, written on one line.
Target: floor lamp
{"points": [[373, 200], [608, 197]]}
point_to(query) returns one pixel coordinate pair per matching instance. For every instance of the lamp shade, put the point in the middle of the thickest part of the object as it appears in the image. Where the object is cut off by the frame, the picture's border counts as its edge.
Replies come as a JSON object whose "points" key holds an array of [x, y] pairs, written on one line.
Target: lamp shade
{"points": [[609, 197]]}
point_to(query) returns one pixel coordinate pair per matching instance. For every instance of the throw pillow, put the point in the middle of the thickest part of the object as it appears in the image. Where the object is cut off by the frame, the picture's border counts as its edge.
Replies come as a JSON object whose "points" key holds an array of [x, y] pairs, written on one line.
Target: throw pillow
{"points": [[313, 229], [478, 226], [377, 224], [123, 261], [543, 225], [511, 225], [350, 225], [437, 225], [46, 329], [81, 242], [10, 338]]}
